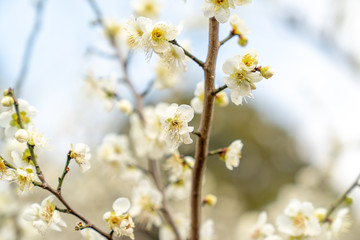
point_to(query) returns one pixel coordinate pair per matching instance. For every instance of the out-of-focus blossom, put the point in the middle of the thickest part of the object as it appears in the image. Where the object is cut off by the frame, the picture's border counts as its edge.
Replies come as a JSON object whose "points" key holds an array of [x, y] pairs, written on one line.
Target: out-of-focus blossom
{"points": [[9, 118], [147, 8], [137, 29], [114, 150], [299, 220], [44, 216], [146, 202], [238, 25]]}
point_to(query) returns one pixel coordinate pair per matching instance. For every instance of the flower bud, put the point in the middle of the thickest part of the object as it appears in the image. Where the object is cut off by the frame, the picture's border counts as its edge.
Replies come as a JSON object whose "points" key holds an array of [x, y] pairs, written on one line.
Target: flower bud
{"points": [[267, 72], [7, 101], [7, 92], [210, 200], [125, 106], [221, 99], [243, 41], [22, 135]]}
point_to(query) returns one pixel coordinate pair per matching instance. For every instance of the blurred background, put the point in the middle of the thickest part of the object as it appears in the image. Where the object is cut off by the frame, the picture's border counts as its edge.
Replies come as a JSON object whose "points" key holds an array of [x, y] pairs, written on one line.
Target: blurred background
{"points": [[300, 132]]}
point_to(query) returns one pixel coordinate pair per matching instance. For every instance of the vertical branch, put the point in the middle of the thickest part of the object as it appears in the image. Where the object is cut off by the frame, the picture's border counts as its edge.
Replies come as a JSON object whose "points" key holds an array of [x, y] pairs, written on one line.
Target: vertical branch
{"points": [[202, 143], [30, 44]]}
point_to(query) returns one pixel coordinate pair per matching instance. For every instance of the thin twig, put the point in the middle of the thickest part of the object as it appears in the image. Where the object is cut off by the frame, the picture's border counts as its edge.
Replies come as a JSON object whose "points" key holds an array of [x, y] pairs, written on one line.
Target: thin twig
{"points": [[29, 146], [71, 211], [196, 133], [30, 44], [154, 171], [202, 143], [187, 53], [231, 35], [45, 185], [66, 170], [101, 53], [148, 88], [216, 91], [341, 199]]}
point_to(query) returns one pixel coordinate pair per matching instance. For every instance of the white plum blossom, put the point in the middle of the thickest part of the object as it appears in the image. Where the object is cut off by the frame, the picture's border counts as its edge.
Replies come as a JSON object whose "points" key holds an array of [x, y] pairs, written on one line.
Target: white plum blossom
{"points": [[158, 37], [147, 8], [137, 29], [179, 188], [238, 25], [24, 177], [118, 220], [102, 87], [174, 124], [177, 165], [165, 76], [242, 77], [207, 230], [114, 150], [81, 154], [263, 230], [9, 118], [147, 139], [299, 220], [44, 216], [340, 223], [174, 58], [242, 2], [232, 154], [33, 137], [113, 28], [146, 202], [89, 234], [218, 9]]}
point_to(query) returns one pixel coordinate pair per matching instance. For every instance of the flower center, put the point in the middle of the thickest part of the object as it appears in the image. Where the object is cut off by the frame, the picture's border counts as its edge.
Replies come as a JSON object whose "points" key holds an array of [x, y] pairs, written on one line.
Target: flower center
{"points": [[158, 35], [248, 60], [299, 221], [48, 212]]}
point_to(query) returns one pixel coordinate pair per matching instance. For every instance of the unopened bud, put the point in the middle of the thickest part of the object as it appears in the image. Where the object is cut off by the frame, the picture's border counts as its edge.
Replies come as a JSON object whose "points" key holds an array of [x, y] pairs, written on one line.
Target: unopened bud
{"points": [[243, 41], [210, 200], [125, 106], [22, 135], [221, 99], [267, 72], [7, 92], [7, 101]]}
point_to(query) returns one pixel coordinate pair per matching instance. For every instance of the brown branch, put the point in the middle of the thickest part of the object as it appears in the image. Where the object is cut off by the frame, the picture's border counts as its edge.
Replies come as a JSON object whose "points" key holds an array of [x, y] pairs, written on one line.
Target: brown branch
{"points": [[216, 91], [202, 143], [341, 199], [154, 172], [29, 146], [71, 211], [44, 184]]}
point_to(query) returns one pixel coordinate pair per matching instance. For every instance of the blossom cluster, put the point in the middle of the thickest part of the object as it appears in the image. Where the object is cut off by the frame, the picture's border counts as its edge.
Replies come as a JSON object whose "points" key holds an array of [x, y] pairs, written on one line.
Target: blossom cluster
{"points": [[301, 220]]}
